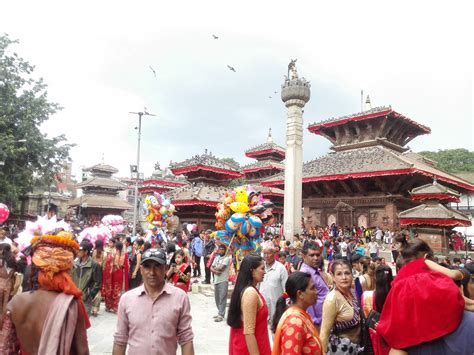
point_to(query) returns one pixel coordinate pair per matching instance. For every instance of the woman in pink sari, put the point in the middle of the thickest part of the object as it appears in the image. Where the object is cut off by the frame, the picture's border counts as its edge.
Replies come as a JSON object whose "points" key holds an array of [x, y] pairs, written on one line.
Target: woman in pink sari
{"points": [[115, 277]]}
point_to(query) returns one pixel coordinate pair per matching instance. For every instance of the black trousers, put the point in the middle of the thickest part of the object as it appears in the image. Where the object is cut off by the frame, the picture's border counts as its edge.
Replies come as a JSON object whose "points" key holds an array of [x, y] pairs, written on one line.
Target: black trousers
{"points": [[197, 269]]}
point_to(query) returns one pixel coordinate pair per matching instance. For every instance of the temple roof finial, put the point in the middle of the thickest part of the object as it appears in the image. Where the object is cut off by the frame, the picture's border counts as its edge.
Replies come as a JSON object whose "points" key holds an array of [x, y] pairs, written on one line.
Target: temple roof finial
{"points": [[368, 104], [269, 138]]}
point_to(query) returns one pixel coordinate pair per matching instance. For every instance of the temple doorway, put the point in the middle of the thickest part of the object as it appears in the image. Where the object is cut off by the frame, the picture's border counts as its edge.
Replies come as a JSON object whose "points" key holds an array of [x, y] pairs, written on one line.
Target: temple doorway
{"points": [[362, 221], [344, 219], [331, 220]]}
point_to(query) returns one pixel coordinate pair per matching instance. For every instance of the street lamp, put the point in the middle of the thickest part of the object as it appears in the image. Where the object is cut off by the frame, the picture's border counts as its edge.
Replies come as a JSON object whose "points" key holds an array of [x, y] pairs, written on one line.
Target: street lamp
{"points": [[135, 207]]}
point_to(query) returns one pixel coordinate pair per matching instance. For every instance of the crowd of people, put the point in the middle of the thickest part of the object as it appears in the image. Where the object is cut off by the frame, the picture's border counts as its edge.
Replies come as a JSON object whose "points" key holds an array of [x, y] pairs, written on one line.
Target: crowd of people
{"points": [[328, 291]]}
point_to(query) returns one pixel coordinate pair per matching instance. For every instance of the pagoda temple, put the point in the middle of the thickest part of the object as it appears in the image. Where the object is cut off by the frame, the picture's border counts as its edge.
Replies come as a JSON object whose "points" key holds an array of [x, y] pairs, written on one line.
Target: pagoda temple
{"points": [[208, 177], [366, 179], [100, 194], [161, 181], [433, 220], [269, 158]]}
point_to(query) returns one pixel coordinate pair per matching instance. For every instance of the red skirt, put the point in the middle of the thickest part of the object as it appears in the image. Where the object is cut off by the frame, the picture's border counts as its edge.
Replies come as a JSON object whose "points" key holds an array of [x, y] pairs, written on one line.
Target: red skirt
{"points": [[421, 306], [237, 343]]}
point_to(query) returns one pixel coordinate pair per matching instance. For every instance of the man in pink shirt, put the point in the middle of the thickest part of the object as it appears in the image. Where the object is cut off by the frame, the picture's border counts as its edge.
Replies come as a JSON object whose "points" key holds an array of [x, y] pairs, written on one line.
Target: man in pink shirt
{"points": [[154, 317]]}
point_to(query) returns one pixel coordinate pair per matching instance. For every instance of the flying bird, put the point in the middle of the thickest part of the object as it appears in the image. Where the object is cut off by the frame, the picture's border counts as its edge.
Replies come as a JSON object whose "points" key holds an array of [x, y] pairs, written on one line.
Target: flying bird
{"points": [[276, 92], [269, 97], [215, 37], [231, 68], [153, 70]]}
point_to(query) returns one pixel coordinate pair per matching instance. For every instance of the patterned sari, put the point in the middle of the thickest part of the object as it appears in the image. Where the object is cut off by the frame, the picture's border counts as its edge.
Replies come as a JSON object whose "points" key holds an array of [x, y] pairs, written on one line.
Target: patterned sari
{"points": [[296, 334]]}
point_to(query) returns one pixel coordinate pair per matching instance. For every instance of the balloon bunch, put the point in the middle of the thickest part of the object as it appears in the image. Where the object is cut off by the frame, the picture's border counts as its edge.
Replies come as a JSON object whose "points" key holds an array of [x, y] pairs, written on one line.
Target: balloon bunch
{"points": [[95, 233], [241, 218], [158, 211], [41, 226], [111, 226], [4, 212], [114, 223]]}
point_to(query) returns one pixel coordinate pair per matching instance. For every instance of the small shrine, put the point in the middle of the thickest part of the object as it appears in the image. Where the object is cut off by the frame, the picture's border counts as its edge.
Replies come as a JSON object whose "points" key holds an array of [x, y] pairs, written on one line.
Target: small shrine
{"points": [[208, 177], [100, 194], [433, 220], [269, 156], [366, 179]]}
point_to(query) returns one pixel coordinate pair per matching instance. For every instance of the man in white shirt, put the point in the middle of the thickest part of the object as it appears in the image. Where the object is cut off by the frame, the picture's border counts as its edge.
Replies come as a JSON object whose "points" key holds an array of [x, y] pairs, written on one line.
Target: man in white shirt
{"points": [[220, 269], [274, 281], [373, 248], [379, 235], [343, 246]]}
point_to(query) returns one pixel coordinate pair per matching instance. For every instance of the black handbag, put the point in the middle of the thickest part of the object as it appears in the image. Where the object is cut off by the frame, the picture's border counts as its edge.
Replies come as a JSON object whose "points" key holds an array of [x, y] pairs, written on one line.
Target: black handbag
{"points": [[372, 319]]}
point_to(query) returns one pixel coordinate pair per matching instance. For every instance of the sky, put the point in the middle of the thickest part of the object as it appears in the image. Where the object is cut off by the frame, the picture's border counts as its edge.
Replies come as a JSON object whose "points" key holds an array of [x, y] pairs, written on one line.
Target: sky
{"points": [[95, 57]]}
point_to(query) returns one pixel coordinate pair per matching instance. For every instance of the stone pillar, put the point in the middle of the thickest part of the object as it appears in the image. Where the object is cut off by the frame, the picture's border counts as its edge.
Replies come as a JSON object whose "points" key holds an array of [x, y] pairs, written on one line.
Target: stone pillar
{"points": [[295, 93]]}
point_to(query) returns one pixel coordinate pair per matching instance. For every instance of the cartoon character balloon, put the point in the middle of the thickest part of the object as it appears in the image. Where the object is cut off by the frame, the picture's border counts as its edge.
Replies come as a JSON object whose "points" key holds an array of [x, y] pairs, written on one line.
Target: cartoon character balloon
{"points": [[158, 211], [241, 218]]}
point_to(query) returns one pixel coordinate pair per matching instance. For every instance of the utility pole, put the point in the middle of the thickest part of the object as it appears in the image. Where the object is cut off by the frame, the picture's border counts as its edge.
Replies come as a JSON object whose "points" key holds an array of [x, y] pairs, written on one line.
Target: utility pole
{"points": [[135, 204]]}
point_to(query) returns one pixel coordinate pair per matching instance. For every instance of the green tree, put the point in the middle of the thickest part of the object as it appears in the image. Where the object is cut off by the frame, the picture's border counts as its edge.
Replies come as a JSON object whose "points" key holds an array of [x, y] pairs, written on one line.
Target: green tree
{"points": [[235, 182], [27, 156], [231, 161], [238, 182], [452, 160]]}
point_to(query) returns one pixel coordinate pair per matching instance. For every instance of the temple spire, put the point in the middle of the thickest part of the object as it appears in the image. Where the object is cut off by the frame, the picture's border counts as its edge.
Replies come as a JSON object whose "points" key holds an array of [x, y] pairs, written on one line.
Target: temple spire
{"points": [[269, 138], [368, 104]]}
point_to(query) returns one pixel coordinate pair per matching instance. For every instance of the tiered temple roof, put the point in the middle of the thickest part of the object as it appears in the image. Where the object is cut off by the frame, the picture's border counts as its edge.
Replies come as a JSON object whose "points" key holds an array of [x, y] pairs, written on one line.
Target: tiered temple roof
{"points": [[101, 184], [369, 162], [370, 145], [435, 191], [269, 163], [199, 194], [101, 190], [263, 165], [206, 174], [102, 170], [161, 181], [267, 151], [206, 168], [378, 126], [269, 160], [433, 212]]}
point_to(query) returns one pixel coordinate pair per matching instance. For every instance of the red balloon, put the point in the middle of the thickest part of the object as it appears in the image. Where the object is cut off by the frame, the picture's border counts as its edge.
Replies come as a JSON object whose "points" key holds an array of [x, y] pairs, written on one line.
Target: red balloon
{"points": [[4, 212]]}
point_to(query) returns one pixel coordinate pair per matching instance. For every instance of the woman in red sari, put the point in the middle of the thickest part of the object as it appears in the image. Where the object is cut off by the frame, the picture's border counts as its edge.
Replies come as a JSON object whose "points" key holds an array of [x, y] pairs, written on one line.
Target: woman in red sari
{"points": [[180, 272], [115, 277]]}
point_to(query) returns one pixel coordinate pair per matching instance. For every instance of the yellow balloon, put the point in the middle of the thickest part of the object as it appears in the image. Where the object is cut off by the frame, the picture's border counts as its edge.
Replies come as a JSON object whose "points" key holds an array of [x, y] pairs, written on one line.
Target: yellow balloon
{"points": [[239, 207], [241, 194]]}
